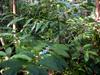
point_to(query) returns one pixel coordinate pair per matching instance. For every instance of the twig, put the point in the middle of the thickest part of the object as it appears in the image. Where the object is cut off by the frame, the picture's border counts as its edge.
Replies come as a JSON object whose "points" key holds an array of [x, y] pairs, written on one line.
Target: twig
{"points": [[2, 41]]}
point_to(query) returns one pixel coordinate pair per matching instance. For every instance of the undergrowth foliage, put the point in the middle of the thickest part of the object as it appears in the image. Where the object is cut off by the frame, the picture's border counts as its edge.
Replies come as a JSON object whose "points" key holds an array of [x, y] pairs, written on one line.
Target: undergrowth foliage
{"points": [[52, 36]]}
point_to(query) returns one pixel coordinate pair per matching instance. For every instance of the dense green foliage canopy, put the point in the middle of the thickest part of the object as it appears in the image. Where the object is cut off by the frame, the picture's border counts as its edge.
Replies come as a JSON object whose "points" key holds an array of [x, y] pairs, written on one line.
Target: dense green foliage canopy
{"points": [[51, 36]]}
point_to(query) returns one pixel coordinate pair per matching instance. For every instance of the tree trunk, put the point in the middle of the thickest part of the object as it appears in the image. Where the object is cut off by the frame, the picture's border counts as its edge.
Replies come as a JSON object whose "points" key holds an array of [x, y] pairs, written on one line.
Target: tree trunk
{"points": [[98, 10]]}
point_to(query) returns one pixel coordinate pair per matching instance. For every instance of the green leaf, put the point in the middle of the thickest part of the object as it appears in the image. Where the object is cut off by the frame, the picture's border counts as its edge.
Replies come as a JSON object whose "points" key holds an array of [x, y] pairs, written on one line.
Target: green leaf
{"points": [[27, 22], [28, 53], [8, 51], [54, 62], [44, 26], [87, 46], [49, 63], [61, 63], [13, 66], [2, 53], [39, 45], [86, 55], [5, 34], [12, 63], [60, 49], [33, 70], [14, 21], [7, 16], [38, 26], [33, 27], [43, 71], [21, 56], [10, 72], [93, 53]]}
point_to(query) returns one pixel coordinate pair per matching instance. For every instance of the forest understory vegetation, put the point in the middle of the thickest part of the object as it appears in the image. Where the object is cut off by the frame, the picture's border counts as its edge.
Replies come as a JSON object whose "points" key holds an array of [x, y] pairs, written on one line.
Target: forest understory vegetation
{"points": [[49, 37]]}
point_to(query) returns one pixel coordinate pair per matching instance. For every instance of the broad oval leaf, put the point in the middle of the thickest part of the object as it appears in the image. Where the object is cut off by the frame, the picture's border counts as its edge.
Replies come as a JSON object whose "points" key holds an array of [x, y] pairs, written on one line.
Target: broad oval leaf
{"points": [[21, 56], [60, 49], [2, 53], [8, 51]]}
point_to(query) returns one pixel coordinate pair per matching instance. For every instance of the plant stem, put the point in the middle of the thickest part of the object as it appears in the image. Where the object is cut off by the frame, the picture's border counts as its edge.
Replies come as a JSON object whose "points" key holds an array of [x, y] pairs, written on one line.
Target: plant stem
{"points": [[14, 25], [2, 41]]}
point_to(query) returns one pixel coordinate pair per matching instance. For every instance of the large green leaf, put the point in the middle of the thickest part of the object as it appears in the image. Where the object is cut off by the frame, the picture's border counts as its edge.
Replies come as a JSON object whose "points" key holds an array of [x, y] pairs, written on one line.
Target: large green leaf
{"points": [[12, 71], [28, 53], [43, 71], [11, 63], [60, 49], [53, 62], [2, 53], [12, 67], [33, 70], [21, 56], [49, 63], [61, 63]]}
